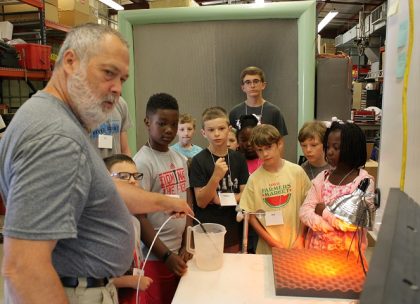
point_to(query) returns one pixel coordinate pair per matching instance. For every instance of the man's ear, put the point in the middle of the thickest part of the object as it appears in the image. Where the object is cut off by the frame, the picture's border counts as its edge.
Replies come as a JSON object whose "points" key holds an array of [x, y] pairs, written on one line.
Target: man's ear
{"points": [[203, 133], [146, 121], [71, 61]]}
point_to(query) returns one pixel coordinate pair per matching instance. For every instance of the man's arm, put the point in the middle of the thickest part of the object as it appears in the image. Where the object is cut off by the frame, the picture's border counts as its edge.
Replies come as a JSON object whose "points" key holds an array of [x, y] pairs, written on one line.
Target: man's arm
{"points": [[125, 148], [139, 201], [28, 272]]}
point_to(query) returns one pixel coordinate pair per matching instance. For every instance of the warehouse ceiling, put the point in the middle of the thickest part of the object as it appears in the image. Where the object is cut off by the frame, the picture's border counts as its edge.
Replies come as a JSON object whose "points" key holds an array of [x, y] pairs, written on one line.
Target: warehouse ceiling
{"points": [[348, 11]]}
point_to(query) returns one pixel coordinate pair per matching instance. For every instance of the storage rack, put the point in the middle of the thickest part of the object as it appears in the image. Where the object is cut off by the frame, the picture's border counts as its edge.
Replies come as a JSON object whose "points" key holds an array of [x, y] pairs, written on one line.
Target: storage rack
{"points": [[10, 75]]}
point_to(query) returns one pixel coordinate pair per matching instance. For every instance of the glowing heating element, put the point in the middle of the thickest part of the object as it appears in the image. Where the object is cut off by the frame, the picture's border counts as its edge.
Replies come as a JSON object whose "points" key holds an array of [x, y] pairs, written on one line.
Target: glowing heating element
{"points": [[317, 273]]}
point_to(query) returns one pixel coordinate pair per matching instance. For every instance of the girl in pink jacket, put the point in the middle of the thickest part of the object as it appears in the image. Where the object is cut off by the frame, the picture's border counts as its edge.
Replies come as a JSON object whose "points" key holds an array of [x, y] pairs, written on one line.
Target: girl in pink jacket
{"points": [[345, 150]]}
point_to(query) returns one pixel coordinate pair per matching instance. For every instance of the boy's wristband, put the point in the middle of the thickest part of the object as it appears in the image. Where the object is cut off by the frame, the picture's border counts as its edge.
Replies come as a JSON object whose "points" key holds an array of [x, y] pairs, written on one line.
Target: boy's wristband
{"points": [[166, 256]]}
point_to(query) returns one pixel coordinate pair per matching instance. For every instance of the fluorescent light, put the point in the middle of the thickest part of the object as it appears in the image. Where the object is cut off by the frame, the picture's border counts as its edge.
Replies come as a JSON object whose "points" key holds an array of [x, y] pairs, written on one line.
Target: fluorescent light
{"points": [[112, 4], [259, 2], [326, 20], [214, 2]]}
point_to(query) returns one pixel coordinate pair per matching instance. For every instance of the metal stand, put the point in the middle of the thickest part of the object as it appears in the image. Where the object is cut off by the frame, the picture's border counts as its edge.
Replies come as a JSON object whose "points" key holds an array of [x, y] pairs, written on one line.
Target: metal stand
{"points": [[246, 214]]}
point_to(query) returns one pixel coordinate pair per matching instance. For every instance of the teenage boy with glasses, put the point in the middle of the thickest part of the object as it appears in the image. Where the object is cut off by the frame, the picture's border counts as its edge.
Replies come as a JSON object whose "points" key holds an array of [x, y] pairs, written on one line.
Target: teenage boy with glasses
{"points": [[253, 84]]}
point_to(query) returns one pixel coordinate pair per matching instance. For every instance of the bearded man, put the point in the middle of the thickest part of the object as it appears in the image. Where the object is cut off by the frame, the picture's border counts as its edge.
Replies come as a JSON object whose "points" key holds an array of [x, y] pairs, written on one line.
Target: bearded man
{"points": [[67, 229]]}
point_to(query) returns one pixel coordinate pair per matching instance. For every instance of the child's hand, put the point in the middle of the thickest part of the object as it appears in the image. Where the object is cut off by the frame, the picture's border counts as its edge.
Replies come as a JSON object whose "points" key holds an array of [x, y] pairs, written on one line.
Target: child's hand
{"points": [[220, 168], [343, 226], [144, 283], [184, 254], [176, 264], [322, 226], [319, 208]]}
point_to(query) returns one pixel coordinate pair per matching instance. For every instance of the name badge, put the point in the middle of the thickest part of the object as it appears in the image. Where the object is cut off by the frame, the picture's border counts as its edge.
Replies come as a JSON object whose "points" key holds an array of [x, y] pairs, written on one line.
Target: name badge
{"points": [[173, 195], [138, 272], [105, 141], [273, 218], [227, 199]]}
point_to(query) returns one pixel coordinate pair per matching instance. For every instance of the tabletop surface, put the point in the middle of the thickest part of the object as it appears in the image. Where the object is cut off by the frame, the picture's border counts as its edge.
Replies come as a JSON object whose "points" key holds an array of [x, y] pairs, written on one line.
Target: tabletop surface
{"points": [[243, 278]]}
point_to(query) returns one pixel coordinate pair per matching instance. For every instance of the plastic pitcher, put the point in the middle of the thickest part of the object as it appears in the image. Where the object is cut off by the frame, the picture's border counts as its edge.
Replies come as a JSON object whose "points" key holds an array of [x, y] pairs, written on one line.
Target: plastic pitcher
{"points": [[208, 247]]}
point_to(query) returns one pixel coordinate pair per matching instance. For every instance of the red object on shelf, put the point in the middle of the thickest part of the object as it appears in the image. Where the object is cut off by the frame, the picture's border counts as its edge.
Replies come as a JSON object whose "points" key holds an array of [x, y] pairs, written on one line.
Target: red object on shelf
{"points": [[34, 56]]}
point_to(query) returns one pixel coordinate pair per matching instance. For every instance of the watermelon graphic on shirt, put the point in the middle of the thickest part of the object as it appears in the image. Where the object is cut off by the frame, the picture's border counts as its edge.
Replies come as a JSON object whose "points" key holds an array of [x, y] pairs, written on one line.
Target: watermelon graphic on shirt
{"points": [[277, 201]]}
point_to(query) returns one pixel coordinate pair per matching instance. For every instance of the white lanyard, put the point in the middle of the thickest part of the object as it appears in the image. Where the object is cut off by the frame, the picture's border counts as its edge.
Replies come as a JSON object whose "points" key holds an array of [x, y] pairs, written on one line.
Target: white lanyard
{"points": [[261, 113]]}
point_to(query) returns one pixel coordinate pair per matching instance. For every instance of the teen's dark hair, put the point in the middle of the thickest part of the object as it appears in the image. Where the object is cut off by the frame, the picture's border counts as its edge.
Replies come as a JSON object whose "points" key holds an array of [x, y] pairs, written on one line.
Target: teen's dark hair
{"points": [[352, 145], [116, 159], [245, 121], [161, 101]]}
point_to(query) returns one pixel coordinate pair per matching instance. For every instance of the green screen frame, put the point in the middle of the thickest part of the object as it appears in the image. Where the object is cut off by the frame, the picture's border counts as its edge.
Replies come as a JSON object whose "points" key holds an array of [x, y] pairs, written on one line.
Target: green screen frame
{"points": [[303, 11]]}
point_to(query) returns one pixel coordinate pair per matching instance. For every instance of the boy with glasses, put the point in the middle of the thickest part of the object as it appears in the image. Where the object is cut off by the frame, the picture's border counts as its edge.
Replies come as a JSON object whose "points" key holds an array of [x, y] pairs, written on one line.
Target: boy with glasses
{"points": [[122, 167], [253, 84]]}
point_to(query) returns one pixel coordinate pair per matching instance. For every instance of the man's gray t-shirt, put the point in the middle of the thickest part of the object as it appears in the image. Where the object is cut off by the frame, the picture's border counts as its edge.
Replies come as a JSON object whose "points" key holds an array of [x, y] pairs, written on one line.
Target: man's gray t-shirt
{"points": [[117, 122], [267, 114], [56, 187]]}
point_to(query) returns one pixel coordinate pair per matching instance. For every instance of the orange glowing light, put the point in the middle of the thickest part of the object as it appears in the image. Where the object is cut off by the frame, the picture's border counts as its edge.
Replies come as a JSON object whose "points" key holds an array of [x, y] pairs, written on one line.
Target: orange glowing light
{"points": [[308, 272]]}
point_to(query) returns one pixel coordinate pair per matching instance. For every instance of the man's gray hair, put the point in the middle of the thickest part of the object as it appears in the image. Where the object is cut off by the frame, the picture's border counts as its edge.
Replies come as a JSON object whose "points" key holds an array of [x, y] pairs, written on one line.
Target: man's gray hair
{"points": [[84, 40]]}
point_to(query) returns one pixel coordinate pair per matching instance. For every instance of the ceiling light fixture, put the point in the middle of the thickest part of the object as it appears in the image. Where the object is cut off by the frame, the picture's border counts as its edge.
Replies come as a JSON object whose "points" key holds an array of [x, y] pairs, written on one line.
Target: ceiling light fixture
{"points": [[113, 4], [330, 16], [214, 2]]}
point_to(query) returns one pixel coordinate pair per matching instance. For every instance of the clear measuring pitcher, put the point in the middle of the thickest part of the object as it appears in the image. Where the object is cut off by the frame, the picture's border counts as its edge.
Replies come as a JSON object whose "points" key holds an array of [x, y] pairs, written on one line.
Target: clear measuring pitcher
{"points": [[208, 247]]}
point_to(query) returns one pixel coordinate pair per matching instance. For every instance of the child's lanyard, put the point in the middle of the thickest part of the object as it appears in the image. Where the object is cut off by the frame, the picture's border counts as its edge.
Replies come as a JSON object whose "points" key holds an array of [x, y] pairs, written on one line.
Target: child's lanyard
{"points": [[136, 260], [229, 178]]}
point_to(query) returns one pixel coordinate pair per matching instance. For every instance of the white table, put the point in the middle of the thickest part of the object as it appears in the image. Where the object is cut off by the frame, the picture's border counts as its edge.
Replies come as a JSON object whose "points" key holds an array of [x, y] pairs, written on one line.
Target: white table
{"points": [[244, 278]]}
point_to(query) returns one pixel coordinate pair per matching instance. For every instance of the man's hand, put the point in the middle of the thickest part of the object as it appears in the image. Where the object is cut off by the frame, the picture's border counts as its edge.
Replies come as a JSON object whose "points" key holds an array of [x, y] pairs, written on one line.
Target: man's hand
{"points": [[177, 206]]}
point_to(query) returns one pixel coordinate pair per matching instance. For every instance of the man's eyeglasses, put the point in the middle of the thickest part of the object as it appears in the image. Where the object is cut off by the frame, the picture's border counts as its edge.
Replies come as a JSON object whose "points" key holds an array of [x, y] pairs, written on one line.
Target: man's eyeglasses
{"points": [[254, 81], [126, 175]]}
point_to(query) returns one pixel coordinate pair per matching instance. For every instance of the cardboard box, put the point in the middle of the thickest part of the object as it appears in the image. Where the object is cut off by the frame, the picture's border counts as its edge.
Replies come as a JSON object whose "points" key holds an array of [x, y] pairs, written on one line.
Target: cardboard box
{"points": [[31, 16], [371, 167], [169, 3], [72, 18], [93, 19], [19, 8], [329, 48], [369, 148], [52, 2], [51, 12], [6, 30], [81, 6], [357, 95]]}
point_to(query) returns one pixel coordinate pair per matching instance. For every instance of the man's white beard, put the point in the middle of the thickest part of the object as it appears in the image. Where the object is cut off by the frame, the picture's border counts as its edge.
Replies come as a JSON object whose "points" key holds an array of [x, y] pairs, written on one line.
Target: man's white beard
{"points": [[87, 107]]}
